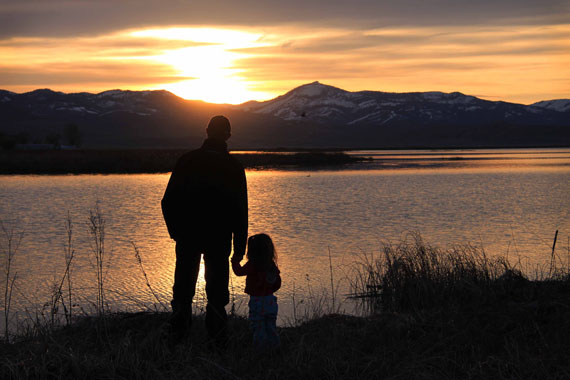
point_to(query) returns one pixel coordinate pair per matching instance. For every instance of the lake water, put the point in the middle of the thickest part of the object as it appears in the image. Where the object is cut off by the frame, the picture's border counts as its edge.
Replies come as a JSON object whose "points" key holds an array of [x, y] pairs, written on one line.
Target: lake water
{"points": [[507, 201]]}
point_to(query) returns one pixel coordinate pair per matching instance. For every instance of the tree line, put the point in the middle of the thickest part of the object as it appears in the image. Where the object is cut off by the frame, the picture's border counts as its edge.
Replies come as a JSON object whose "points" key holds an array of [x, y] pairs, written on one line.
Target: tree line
{"points": [[70, 135]]}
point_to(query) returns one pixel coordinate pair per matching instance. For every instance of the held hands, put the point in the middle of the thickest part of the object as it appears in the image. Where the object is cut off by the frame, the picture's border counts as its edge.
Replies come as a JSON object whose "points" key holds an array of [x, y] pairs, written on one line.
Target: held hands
{"points": [[236, 267], [236, 258]]}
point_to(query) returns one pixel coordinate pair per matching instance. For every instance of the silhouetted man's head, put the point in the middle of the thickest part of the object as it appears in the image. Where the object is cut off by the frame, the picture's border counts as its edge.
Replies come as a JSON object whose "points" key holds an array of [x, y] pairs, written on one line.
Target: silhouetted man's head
{"points": [[219, 128]]}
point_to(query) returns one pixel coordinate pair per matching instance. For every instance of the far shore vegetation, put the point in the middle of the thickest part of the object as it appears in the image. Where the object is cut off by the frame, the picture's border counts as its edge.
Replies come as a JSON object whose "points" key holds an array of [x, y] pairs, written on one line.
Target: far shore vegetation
{"points": [[429, 314], [107, 161]]}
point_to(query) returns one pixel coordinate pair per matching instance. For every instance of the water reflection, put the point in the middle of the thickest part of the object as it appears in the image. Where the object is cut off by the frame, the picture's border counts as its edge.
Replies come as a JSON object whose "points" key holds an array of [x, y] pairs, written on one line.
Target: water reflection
{"points": [[514, 159], [513, 206]]}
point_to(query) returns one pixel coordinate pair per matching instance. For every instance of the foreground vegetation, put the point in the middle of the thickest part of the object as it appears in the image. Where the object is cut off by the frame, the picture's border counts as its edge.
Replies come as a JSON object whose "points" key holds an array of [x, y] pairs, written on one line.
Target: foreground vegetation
{"points": [[433, 314], [108, 161], [515, 342]]}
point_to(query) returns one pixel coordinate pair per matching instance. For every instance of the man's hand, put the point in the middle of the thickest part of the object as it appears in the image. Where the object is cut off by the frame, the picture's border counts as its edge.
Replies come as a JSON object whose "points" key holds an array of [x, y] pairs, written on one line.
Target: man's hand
{"points": [[236, 258]]}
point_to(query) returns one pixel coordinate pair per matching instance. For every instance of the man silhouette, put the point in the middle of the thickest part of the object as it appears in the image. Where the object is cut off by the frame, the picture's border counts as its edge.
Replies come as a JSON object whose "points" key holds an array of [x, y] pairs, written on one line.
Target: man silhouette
{"points": [[204, 204]]}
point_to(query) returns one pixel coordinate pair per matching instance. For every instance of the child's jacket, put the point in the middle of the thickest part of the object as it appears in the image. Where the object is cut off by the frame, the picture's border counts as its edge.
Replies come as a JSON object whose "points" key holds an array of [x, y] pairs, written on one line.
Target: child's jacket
{"points": [[258, 283]]}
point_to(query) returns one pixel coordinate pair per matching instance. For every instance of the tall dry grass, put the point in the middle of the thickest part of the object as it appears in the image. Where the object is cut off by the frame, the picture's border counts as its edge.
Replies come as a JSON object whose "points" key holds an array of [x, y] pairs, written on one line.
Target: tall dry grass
{"points": [[101, 256], [413, 275], [9, 244], [441, 314]]}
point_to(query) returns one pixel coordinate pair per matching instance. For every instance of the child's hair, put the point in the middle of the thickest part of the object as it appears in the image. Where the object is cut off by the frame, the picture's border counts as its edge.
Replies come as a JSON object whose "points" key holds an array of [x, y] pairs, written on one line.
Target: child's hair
{"points": [[261, 252]]}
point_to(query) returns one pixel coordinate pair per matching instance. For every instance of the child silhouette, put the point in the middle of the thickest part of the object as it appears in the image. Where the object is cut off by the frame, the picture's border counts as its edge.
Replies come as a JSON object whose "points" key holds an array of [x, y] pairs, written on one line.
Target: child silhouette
{"points": [[262, 281]]}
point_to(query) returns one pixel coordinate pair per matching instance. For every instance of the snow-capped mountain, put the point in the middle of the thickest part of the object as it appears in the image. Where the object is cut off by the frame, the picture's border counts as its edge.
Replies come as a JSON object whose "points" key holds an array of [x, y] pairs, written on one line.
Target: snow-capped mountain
{"points": [[325, 101], [312, 115], [326, 104], [45, 102], [560, 105], [109, 118]]}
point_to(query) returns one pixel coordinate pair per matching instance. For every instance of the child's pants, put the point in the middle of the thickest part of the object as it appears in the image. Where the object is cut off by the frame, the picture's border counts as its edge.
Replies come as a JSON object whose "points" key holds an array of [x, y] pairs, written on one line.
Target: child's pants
{"points": [[263, 318]]}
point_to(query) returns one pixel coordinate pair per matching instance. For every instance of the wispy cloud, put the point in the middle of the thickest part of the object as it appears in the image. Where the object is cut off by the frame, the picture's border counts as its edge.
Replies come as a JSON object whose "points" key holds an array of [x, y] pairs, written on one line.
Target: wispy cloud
{"points": [[87, 64], [511, 62], [499, 61]]}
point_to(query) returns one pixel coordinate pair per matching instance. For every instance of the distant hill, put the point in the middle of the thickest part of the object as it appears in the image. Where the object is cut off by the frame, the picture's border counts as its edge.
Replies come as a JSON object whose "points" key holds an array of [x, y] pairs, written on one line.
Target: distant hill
{"points": [[561, 105], [313, 115]]}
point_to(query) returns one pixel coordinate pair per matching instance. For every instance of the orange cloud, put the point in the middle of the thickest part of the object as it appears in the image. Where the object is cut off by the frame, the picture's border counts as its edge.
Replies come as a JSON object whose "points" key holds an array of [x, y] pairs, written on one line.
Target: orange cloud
{"points": [[523, 63]]}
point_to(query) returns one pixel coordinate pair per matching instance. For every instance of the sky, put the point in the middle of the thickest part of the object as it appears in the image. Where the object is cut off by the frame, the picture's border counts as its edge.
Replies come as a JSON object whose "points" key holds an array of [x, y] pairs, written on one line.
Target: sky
{"points": [[235, 51]]}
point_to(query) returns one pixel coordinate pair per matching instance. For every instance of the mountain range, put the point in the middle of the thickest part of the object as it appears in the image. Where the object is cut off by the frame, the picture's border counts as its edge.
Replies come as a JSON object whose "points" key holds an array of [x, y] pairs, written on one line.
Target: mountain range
{"points": [[314, 115]]}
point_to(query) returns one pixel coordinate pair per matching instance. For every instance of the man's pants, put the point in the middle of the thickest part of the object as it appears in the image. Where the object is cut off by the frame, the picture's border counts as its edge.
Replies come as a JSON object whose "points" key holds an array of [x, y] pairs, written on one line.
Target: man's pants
{"points": [[188, 254]]}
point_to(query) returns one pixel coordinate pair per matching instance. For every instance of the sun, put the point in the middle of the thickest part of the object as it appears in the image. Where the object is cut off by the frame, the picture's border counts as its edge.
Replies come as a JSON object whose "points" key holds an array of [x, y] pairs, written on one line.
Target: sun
{"points": [[209, 61]]}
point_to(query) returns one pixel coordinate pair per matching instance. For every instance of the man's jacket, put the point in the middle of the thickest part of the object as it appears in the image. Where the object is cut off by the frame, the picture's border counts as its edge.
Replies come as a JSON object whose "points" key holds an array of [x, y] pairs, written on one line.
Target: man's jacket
{"points": [[206, 196]]}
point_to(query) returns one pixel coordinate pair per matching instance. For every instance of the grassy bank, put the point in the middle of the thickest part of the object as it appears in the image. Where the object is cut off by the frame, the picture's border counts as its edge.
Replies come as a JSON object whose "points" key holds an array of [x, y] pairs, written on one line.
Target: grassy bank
{"points": [[434, 314], [144, 161], [517, 341]]}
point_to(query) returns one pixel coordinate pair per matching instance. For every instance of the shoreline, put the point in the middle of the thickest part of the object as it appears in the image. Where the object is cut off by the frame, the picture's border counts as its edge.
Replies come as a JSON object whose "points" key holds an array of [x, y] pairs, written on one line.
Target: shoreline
{"points": [[157, 161], [413, 147], [146, 161]]}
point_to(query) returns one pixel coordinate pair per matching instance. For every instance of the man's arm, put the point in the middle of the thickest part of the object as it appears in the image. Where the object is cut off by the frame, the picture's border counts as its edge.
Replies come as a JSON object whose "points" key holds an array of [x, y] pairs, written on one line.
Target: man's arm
{"points": [[240, 270], [171, 201], [241, 219]]}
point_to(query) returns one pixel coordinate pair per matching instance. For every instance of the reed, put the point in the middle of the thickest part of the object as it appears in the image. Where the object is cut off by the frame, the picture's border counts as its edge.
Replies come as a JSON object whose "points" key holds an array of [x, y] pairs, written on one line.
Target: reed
{"points": [[333, 290], [97, 230], [413, 276], [69, 255], [57, 293], [9, 244], [139, 261]]}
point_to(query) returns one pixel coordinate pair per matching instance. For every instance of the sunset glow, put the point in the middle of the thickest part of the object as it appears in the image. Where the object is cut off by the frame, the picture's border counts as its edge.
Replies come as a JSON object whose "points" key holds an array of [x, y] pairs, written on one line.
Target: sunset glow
{"points": [[285, 189], [211, 64], [521, 63]]}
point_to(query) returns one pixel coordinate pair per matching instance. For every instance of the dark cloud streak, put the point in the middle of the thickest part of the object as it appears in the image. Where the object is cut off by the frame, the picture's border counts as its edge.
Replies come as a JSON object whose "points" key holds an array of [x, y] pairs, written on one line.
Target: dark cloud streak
{"points": [[65, 18], [60, 74], [361, 47], [115, 43]]}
